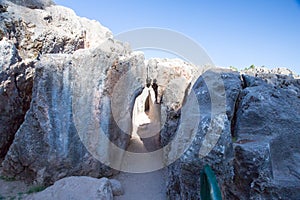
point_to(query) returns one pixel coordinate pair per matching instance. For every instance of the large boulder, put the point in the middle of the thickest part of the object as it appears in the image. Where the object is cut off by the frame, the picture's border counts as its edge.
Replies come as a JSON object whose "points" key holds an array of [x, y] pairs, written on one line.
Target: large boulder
{"points": [[267, 137], [70, 104], [257, 154], [174, 78], [77, 188], [47, 146], [55, 29], [184, 174], [26, 35]]}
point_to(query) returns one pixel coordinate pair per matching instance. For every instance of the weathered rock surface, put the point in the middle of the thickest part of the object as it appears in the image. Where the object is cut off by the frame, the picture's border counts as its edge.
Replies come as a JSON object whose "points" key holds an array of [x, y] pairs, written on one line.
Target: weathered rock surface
{"points": [[25, 34], [172, 75], [267, 132], [77, 188], [56, 125], [117, 188], [257, 155], [9, 54], [184, 174], [47, 146], [34, 4], [55, 29], [174, 78], [48, 137], [16, 80], [64, 79]]}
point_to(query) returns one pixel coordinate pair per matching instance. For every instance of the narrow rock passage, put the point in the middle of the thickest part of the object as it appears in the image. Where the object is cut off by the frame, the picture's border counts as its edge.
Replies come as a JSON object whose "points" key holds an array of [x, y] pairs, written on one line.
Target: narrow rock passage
{"points": [[145, 186]]}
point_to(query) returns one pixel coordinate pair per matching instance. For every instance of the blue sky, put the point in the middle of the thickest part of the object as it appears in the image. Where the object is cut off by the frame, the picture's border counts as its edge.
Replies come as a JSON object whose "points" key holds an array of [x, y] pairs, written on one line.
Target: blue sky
{"points": [[233, 32]]}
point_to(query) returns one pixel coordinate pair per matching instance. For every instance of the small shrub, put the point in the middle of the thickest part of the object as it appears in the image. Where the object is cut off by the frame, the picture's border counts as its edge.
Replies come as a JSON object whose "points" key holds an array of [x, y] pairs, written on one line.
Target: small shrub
{"points": [[36, 189], [251, 67], [6, 178], [233, 68], [20, 194], [234, 139]]}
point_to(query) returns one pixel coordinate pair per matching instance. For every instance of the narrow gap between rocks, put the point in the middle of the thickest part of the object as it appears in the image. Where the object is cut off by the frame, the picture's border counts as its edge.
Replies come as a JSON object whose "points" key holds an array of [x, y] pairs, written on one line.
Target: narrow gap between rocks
{"points": [[145, 138], [145, 123], [236, 107]]}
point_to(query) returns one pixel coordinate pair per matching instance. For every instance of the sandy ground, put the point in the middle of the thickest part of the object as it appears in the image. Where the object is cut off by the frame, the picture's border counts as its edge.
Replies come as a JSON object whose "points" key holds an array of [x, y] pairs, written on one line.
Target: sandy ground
{"points": [[13, 189], [146, 186], [143, 186]]}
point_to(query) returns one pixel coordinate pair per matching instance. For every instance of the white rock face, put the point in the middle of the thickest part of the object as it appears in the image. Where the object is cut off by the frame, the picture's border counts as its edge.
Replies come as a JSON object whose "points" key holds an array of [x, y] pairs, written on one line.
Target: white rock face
{"points": [[173, 77], [8, 54], [77, 188], [27, 34], [266, 71], [55, 29], [33, 3]]}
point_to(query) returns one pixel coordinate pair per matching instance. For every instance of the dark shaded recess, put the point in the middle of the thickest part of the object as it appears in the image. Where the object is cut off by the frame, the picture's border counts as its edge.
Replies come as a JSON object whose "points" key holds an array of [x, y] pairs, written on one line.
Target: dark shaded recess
{"points": [[14, 105], [115, 134]]}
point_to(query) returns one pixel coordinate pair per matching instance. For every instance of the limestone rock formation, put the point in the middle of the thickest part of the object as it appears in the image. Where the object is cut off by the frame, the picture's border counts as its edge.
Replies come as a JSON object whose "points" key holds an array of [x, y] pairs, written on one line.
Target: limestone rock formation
{"points": [[49, 132], [184, 174], [54, 29], [25, 34], [47, 146], [64, 79], [79, 187], [256, 156], [174, 78], [15, 93], [34, 4], [55, 127], [267, 132], [172, 75]]}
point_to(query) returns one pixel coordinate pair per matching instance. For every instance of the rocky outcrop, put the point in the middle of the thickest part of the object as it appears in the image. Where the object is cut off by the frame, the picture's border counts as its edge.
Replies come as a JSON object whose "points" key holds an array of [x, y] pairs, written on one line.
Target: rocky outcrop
{"points": [[56, 125], [66, 94], [80, 188], [64, 80], [184, 174], [55, 29], [25, 34], [174, 78], [256, 156], [266, 130], [172, 75], [34, 4], [15, 93], [47, 145]]}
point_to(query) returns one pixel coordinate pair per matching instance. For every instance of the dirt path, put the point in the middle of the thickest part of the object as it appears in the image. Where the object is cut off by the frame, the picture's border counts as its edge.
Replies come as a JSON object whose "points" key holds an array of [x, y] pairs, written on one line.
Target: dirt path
{"points": [[11, 189], [144, 186]]}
